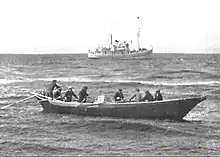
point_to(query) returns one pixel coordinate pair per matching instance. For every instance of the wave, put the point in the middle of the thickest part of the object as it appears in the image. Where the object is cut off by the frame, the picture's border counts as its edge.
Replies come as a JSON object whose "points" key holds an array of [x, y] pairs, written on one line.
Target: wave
{"points": [[109, 124], [212, 76], [3, 102], [215, 92], [80, 67], [12, 96], [177, 74], [118, 69], [113, 80], [185, 71], [2, 76], [38, 147], [165, 77], [9, 81]]}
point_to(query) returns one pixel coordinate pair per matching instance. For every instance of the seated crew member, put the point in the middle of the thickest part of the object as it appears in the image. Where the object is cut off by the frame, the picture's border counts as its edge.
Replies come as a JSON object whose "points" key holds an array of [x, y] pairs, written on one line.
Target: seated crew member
{"points": [[119, 95], [51, 87], [147, 96], [136, 95], [69, 94], [83, 94], [158, 95], [58, 94]]}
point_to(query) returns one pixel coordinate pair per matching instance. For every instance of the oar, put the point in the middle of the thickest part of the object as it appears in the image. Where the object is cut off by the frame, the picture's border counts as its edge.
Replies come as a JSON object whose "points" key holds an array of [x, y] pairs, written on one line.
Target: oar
{"points": [[40, 95], [4, 107]]}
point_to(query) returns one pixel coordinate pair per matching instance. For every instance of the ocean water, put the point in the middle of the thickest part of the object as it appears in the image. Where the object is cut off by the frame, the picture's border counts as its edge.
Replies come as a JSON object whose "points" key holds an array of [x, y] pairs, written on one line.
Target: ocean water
{"points": [[26, 130]]}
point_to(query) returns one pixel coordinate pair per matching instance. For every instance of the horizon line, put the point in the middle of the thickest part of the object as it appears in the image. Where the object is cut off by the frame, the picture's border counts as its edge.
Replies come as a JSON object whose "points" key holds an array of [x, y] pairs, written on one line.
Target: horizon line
{"points": [[46, 53]]}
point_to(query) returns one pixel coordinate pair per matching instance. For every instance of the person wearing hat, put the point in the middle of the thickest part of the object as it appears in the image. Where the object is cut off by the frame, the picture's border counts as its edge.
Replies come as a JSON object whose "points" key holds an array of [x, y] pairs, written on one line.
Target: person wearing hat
{"points": [[83, 94], [158, 95], [51, 87], [58, 94], [119, 95], [147, 96], [136, 95], [69, 95]]}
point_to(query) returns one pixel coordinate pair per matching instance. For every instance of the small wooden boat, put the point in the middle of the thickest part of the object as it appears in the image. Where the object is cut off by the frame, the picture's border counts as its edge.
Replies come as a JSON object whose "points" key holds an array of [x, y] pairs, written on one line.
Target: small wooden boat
{"points": [[174, 109]]}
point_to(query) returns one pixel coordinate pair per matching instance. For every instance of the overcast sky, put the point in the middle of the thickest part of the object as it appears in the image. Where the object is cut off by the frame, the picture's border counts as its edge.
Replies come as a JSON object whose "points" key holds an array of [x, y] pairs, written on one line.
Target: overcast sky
{"points": [[74, 26]]}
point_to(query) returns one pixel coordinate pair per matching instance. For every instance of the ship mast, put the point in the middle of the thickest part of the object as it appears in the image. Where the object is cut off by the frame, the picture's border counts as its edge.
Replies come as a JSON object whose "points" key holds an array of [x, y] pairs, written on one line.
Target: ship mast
{"points": [[138, 36], [110, 39]]}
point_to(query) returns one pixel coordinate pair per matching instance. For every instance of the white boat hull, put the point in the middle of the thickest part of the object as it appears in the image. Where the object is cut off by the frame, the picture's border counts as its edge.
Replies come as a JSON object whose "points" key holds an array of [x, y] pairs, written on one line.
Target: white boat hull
{"points": [[130, 55]]}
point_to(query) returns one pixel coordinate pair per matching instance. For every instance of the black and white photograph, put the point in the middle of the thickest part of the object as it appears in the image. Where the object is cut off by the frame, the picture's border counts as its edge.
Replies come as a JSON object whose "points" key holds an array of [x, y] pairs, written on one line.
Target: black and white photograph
{"points": [[109, 77]]}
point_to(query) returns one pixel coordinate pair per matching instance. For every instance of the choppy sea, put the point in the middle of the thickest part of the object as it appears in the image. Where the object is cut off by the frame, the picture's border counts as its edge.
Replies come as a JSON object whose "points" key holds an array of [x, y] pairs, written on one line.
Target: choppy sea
{"points": [[26, 130]]}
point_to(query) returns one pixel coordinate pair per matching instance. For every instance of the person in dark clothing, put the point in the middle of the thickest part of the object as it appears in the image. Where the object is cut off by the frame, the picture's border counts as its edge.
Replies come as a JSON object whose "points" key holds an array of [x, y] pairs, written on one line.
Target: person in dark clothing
{"points": [[83, 94], [158, 95], [119, 95], [51, 87], [147, 96], [69, 95], [58, 94]]}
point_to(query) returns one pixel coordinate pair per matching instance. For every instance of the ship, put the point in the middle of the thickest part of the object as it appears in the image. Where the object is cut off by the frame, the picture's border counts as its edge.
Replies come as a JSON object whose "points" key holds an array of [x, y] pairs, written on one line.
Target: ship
{"points": [[120, 49]]}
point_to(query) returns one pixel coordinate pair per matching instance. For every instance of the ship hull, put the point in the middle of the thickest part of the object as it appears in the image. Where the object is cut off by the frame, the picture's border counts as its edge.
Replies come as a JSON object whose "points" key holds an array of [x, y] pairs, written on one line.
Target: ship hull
{"points": [[121, 55]]}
